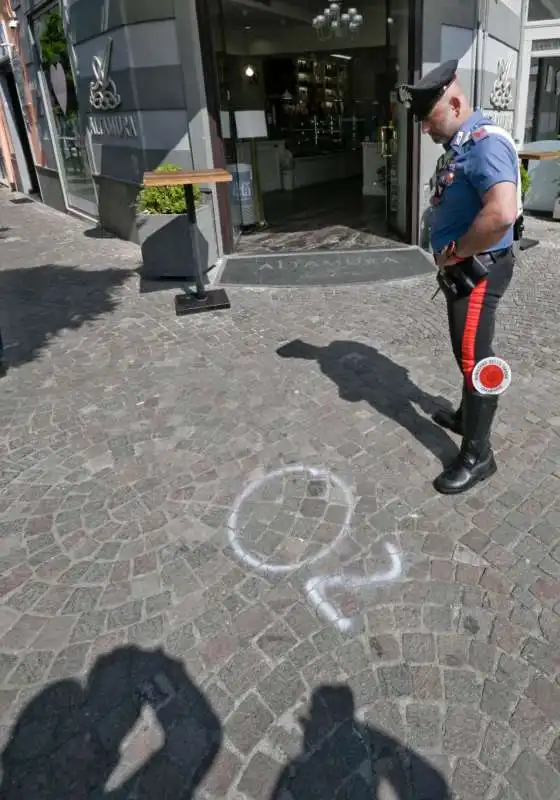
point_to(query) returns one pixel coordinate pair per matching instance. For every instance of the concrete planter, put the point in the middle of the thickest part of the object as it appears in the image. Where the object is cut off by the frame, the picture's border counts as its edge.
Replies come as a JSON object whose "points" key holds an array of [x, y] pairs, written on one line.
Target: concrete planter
{"points": [[167, 240]]}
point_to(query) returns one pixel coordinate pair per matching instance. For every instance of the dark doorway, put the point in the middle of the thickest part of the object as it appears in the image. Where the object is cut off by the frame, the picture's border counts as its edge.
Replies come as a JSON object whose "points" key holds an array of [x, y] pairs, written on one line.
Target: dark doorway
{"points": [[331, 171]]}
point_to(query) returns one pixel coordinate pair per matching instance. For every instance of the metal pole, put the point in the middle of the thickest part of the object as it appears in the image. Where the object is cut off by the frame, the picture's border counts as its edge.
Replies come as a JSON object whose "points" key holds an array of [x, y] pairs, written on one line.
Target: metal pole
{"points": [[191, 216]]}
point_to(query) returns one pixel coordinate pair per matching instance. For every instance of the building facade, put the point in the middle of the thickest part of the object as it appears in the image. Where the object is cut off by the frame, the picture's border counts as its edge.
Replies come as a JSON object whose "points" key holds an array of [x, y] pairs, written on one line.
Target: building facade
{"points": [[107, 90], [538, 118]]}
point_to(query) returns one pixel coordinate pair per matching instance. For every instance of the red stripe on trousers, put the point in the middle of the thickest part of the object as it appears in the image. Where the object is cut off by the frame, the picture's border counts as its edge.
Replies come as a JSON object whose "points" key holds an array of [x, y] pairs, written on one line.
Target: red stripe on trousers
{"points": [[468, 348]]}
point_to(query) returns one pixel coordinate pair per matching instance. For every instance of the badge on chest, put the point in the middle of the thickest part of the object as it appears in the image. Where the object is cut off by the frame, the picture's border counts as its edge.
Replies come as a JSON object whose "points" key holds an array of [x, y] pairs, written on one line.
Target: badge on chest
{"points": [[443, 177]]}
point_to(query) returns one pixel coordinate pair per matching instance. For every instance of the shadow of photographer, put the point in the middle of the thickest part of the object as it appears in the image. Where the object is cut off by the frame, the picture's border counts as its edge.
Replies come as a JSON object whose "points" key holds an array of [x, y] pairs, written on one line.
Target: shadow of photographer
{"points": [[139, 724], [345, 759]]}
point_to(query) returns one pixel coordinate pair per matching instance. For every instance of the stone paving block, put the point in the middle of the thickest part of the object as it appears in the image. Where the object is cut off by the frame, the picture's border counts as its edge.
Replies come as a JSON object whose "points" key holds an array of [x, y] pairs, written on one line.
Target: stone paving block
{"points": [[531, 725], [553, 756], [532, 778], [462, 686], [483, 657], [498, 748], [424, 726], [396, 681], [471, 780], [249, 723], [260, 776], [546, 695], [545, 657], [463, 729], [427, 683], [419, 648], [453, 651], [282, 688], [386, 717]]}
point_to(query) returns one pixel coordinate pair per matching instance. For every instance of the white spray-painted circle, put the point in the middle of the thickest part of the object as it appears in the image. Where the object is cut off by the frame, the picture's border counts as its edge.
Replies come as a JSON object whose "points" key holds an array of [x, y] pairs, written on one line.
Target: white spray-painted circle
{"points": [[259, 564]]}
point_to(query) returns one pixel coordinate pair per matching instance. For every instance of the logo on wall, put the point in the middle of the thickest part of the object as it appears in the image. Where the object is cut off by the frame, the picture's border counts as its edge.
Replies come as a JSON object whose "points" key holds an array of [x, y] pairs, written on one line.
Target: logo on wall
{"points": [[501, 94], [103, 95], [404, 96]]}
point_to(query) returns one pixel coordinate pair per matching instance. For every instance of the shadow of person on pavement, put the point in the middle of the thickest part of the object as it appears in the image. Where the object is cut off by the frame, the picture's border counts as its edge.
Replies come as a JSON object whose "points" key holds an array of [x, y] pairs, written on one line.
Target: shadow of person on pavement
{"points": [[138, 728], [345, 758], [362, 373], [38, 303]]}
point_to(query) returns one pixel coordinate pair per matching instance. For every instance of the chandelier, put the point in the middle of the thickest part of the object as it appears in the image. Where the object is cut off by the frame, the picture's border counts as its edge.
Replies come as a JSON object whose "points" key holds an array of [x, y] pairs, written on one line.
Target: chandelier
{"points": [[333, 22]]}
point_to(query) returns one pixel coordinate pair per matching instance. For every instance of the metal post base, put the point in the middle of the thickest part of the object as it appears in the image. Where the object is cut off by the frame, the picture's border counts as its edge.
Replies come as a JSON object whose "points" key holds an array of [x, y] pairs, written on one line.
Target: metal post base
{"points": [[212, 300], [526, 244]]}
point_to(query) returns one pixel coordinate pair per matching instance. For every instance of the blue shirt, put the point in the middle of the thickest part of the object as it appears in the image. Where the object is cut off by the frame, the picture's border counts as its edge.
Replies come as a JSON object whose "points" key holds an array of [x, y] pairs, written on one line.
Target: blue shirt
{"points": [[475, 167]]}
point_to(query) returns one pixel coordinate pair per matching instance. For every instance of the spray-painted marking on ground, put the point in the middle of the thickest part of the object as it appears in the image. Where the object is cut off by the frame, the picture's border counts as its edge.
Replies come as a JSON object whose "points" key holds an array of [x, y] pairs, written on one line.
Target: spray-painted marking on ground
{"points": [[318, 589]]}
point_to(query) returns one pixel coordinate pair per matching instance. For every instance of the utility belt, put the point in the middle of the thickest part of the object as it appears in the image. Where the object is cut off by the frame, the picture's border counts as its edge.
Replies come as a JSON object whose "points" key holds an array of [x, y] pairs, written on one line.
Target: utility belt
{"points": [[461, 278]]}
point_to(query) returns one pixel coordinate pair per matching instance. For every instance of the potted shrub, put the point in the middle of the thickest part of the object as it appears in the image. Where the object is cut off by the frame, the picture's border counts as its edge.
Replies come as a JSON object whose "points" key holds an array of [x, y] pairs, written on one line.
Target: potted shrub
{"points": [[166, 237], [525, 180], [556, 207]]}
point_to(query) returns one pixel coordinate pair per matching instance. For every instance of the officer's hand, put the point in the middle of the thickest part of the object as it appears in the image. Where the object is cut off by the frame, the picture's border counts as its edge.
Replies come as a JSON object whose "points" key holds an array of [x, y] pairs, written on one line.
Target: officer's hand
{"points": [[445, 259], [442, 260]]}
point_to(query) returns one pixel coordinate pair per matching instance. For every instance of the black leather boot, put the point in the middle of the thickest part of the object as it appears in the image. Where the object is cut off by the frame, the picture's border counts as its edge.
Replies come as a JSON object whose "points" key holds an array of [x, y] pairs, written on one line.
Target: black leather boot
{"points": [[475, 462]]}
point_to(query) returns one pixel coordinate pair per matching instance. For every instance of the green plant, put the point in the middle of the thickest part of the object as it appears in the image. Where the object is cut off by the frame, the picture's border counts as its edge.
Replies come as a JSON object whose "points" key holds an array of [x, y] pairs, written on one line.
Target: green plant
{"points": [[165, 199], [54, 51], [525, 180]]}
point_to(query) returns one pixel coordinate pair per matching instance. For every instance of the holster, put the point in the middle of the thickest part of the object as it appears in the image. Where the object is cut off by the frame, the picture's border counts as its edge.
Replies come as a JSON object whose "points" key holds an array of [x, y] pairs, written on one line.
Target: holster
{"points": [[467, 274]]}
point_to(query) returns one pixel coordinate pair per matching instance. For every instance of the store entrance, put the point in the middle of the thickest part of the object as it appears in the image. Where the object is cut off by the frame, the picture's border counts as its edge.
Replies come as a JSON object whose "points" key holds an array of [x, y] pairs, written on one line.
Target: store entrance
{"points": [[317, 144]]}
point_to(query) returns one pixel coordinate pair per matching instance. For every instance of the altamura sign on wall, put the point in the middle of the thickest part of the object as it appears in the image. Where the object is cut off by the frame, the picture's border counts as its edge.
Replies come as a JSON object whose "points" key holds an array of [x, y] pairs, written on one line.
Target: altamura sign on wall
{"points": [[103, 96], [122, 126]]}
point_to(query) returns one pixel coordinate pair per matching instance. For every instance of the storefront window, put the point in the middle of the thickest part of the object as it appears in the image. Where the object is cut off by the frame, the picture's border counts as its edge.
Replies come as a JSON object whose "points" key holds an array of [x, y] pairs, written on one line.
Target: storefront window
{"points": [[543, 103], [52, 47], [333, 131], [543, 10], [398, 33]]}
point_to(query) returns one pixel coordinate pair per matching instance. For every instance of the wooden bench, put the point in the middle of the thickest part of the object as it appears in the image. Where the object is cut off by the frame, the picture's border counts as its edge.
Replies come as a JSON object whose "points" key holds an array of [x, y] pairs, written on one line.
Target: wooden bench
{"points": [[203, 299], [534, 155]]}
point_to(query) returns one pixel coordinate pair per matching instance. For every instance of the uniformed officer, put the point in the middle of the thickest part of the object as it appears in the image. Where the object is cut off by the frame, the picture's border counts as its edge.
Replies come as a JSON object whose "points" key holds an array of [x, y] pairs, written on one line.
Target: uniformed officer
{"points": [[475, 204]]}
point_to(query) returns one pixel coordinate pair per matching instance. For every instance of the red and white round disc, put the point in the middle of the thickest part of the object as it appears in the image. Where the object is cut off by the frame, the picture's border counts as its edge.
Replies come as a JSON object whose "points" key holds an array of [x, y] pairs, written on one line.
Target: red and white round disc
{"points": [[491, 376]]}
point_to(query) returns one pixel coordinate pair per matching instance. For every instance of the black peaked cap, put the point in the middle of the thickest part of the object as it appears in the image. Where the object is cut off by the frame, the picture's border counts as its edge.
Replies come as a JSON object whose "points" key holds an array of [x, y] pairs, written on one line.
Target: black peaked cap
{"points": [[422, 97]]}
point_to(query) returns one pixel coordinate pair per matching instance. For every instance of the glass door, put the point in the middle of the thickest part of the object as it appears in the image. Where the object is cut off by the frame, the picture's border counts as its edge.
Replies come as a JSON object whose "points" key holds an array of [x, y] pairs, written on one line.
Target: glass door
{"points": [[229, 138], [61, 98], [396, 129]]}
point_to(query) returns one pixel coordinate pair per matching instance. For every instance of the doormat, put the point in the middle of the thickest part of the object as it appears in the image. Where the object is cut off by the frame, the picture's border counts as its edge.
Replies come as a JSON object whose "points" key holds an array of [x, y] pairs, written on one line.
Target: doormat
{"points": [[17, 201], [326, 269]]}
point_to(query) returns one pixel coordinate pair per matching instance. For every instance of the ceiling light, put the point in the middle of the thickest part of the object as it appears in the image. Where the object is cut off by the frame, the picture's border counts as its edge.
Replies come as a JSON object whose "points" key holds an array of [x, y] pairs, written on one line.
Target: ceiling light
{"points": [[334, 22]]}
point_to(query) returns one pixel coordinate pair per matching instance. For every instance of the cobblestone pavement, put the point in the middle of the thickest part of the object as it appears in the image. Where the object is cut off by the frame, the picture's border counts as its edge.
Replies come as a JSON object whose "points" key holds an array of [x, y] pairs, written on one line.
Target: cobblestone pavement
{"points": [[173, 625]]}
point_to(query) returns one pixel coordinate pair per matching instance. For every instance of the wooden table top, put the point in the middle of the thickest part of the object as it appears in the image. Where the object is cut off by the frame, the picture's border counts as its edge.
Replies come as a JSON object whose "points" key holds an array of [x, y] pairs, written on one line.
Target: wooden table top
{"points": [[535, 155], [186, 178]]}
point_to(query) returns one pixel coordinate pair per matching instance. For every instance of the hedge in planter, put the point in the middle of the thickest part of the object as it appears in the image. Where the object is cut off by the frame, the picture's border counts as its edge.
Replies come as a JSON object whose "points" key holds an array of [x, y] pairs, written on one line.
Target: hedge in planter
{"points": [[165, 199], [525, 180], [165, 235]]}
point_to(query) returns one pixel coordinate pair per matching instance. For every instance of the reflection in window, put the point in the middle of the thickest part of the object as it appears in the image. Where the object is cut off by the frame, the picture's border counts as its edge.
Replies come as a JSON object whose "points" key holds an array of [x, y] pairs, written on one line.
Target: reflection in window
{"points": [[543, 9], [55, 64]]}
